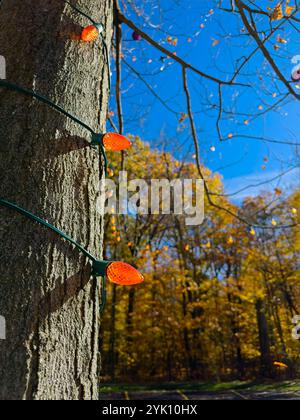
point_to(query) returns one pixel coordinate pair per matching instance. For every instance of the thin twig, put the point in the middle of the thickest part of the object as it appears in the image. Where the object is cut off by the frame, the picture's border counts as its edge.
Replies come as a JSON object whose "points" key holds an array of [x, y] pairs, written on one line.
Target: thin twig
{"points": [[170, 54]]}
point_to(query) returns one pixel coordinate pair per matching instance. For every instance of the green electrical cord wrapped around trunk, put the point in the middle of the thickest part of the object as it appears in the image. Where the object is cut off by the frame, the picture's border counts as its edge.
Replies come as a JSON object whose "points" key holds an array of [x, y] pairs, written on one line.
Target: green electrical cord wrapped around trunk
{"points": [[98, 266], [96, 138]]}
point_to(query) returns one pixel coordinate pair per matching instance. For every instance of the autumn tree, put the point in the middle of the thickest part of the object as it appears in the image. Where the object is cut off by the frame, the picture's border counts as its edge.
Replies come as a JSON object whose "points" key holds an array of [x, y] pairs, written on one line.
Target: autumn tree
{"points": [[219, 298], [254, 52]]}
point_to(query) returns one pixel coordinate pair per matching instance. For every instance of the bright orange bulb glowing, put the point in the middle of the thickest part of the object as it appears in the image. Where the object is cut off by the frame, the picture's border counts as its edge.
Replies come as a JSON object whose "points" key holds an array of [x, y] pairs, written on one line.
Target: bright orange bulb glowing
{"points": [[123, 274], [90, 34], [115, 142]]}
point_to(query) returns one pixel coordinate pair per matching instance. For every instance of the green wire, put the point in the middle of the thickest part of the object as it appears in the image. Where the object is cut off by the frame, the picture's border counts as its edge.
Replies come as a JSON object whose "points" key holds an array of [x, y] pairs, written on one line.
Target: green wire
{"points": [[42, 222], [80, 11], [103, 301], [104, 157], [107, 60], [99, 267], [41, 98], [103, 295], [96, 138]]}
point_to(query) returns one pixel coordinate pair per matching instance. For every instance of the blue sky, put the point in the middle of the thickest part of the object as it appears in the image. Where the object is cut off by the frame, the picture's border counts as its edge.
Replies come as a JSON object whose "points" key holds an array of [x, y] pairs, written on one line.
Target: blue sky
{"points": [[240, 160]]}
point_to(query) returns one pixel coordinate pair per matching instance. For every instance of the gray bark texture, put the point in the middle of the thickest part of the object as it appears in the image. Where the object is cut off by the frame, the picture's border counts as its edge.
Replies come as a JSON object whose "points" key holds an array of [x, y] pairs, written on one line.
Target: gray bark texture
{"points": [[49, 300]]}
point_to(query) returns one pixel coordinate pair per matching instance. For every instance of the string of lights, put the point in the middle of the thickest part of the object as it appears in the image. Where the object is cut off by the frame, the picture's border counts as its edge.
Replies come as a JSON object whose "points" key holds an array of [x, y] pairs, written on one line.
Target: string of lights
{"points": [[116, 271], [108, 141]]}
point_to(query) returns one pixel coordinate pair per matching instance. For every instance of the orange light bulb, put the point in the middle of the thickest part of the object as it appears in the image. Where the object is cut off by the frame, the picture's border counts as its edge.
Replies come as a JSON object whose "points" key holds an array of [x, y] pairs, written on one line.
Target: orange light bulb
{"points": [[115, 142], [90, 33], [123, 274]]}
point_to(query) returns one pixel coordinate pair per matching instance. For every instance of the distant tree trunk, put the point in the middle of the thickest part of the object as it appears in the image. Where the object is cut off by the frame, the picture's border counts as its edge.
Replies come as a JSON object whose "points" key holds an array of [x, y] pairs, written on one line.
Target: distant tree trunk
{"points": [[47, 296], [129, 316], [186, 339], [266, 362], [236, 344], [112, 337]]}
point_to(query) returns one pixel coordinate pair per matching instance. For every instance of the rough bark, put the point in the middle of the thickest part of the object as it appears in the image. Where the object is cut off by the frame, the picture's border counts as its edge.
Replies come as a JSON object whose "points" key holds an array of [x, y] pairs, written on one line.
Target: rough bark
{"points": [[47, 296]]}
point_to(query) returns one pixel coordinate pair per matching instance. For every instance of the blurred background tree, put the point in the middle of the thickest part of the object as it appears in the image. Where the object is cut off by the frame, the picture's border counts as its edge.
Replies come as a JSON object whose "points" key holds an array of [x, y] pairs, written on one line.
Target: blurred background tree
{"points": [[219, 298], [207, 86]]}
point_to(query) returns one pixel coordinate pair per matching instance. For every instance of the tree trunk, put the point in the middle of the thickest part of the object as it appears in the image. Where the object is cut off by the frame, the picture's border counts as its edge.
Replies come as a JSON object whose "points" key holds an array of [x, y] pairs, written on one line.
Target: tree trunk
{"points": [[264, 342], [49, 301], [112, 336]]}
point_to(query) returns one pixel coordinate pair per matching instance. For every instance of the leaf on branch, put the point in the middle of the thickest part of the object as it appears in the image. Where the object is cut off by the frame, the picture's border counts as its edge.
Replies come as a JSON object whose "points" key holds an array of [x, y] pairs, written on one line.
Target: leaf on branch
{"points": [[215, 42], [277, 13], [172, 41], [281, 40], [183, 117], [289, 9]]}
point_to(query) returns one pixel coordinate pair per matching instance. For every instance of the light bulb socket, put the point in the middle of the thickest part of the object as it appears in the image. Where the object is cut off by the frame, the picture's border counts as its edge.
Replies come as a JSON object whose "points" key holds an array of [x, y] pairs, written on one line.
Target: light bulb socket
{"points": [[99, 27], [97, 139], [99, 268]]}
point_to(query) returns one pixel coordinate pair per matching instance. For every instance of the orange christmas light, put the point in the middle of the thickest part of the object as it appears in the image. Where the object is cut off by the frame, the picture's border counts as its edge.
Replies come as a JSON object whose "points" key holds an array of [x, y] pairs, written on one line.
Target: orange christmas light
{"points": [[117, 272], [91, 33], [123, 274], [115, 142]]}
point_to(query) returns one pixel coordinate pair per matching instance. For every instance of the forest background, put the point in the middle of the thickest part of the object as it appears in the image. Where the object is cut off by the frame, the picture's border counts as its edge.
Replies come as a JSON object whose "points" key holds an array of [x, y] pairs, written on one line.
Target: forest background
{"points": [[219, 299]]}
